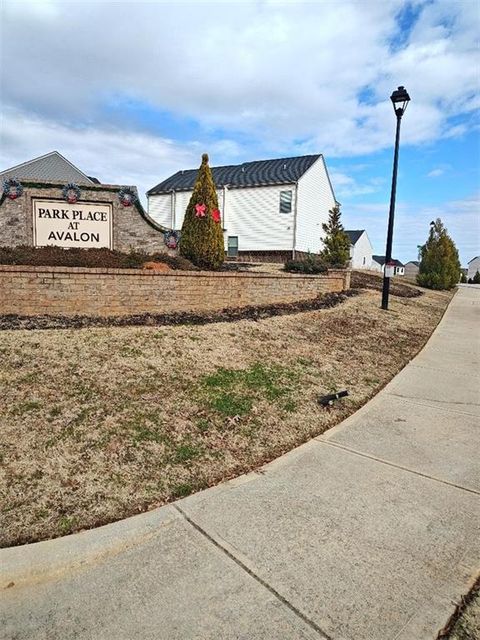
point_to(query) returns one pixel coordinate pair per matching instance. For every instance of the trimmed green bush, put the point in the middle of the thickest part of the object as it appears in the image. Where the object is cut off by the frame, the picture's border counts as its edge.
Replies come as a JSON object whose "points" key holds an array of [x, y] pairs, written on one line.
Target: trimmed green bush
{"points": [[476, 278], [310, 264], [202, 234]]}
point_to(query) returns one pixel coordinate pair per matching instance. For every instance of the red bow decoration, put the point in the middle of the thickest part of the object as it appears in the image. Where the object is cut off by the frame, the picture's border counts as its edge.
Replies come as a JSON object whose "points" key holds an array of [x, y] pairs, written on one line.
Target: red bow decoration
{"points": [[216, 215], [200, 210]]}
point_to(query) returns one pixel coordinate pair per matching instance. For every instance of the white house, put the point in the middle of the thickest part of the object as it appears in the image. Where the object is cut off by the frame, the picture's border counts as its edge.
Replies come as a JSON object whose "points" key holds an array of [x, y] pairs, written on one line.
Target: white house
{"points": [[360, 249], [473, 267], [378, 264], [271, 209]]}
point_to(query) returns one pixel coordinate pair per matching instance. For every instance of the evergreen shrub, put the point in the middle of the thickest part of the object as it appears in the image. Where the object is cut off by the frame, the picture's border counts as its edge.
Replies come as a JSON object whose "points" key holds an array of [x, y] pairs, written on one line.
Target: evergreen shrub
{"points": [[201, 240]]}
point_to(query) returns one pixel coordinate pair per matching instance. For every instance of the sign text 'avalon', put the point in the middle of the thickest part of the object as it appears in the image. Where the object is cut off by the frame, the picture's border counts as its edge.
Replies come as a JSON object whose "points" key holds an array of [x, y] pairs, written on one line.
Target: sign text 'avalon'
{"points": [[83, 224]]}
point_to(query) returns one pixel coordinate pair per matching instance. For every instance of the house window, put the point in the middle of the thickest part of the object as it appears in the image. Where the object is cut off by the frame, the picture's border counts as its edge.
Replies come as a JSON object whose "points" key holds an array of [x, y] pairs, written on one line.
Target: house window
{"points": [[232, 251], [364, 259], [286, 201]]}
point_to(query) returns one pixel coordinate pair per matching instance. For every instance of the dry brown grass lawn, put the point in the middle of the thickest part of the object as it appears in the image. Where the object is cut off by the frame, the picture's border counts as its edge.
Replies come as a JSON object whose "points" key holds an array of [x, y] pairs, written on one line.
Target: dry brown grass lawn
{"points": [[467, 626], [101, 423]]}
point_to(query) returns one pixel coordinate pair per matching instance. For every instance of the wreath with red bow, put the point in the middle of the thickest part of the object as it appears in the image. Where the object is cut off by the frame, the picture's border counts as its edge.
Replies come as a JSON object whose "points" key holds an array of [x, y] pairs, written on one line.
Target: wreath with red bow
{"points": [[12, 188], [71, 192], [127, 196]]}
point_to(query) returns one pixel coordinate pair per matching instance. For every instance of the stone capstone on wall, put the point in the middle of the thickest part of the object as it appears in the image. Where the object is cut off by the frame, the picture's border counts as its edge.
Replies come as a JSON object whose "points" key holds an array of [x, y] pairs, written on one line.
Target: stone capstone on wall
{"points": [[132, 226], [56, 291]]}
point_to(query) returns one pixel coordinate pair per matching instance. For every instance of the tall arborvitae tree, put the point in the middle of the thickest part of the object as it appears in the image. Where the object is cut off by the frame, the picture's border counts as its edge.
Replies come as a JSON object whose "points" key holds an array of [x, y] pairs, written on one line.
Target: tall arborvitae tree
{"points": [[201, 240], [439, 264], [336, 252]]}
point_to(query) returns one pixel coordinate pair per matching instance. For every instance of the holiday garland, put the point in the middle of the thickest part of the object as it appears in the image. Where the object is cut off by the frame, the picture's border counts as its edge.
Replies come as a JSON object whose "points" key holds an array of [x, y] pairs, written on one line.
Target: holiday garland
{"points": [[71, 192], [12, 188], [127, 196], [31, 184]]}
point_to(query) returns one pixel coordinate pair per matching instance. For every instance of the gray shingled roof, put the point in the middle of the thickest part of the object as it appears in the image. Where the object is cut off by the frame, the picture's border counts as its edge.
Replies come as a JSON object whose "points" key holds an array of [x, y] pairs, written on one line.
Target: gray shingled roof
{"points": [[354, 235], [248, 174], [52, 166], [381, 260]]}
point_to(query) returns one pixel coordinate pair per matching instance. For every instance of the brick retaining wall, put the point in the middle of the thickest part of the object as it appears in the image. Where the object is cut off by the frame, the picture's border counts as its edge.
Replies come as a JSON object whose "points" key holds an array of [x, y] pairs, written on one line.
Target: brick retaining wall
{"points": [[30, 291]]}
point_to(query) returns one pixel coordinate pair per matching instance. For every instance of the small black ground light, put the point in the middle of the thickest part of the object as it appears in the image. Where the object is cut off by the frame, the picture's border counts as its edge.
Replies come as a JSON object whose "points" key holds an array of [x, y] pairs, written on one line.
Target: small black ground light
{"points": [[327, 401]]}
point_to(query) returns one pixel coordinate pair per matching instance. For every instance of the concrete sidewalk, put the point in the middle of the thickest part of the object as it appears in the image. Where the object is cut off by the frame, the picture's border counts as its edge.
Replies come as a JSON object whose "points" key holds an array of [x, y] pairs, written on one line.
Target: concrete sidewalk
{"points": [[371, 531]]}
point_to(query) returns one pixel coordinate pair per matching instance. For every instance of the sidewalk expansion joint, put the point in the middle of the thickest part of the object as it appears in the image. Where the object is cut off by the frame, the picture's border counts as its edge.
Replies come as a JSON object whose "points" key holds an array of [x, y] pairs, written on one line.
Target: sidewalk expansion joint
{"points": [[253, 575], [397, 466], [427, 367], [440, 404]]}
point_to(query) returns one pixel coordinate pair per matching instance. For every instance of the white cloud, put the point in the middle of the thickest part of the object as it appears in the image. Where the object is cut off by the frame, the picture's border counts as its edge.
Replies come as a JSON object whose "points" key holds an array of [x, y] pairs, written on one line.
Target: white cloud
{"points": [[113, 155], [347, 187], [277, 71], [435, 173]]}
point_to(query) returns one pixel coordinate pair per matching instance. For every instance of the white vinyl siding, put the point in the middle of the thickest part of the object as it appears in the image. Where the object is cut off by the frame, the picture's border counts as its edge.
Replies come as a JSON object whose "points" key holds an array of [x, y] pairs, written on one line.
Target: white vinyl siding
{"points": [[473, 267], [160, 207], [314, 200], [361, 253], [253, 215]]}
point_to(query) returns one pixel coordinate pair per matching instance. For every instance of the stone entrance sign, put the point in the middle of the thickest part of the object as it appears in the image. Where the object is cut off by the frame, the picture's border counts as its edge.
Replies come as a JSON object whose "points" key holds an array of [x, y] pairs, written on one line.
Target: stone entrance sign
{"points": [[39, 216], [83, 224]]}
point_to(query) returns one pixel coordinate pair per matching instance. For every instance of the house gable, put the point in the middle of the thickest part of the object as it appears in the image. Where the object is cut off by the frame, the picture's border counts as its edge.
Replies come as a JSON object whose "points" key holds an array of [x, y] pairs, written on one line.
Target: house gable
{"points": [[50, 167], [360, 249]]}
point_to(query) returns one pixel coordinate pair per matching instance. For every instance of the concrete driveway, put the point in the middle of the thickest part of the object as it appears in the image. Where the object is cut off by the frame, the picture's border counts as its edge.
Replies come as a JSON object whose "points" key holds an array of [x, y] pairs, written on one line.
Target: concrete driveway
{"points": [[370, 531]]}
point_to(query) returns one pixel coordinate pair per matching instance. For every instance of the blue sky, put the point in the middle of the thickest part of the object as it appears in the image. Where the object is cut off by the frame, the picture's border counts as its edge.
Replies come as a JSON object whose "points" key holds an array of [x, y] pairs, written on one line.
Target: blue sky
{"points": [[132, 92]]}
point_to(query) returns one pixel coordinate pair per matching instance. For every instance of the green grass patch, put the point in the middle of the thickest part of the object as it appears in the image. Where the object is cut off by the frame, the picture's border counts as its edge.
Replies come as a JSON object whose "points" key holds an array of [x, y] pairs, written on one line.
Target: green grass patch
{"points": [[232, 392], [66, 525], [25, 407], [182, 490], [185, 452]]}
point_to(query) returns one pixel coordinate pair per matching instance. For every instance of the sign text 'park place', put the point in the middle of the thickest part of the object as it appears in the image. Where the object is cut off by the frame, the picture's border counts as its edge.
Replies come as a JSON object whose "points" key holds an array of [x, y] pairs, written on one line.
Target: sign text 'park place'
{"points": [[82, 224]]}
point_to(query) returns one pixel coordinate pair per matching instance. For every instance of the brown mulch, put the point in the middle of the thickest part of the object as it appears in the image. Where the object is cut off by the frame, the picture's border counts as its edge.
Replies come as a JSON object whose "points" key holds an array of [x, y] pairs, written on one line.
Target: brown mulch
{"points": [[326, 301], [365, 280]]}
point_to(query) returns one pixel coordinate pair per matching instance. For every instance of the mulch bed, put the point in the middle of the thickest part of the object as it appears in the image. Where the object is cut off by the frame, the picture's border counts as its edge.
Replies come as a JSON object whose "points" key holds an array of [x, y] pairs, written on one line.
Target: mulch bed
{"points": [[362, 280], [326, 301]]}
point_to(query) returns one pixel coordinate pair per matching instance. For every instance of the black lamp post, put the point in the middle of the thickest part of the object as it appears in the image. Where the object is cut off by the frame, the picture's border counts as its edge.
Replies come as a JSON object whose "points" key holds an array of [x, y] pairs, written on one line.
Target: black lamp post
{"points": [[400, 100]]}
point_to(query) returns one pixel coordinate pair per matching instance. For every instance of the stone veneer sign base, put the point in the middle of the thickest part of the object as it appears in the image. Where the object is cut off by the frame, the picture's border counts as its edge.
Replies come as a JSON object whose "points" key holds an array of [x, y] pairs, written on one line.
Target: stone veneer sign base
{"points": [[40, 216]]}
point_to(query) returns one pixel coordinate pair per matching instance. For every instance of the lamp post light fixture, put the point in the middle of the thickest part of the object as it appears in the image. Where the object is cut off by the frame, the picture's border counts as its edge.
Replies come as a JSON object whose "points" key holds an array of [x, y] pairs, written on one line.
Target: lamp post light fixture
{"points": [[400, 100]]}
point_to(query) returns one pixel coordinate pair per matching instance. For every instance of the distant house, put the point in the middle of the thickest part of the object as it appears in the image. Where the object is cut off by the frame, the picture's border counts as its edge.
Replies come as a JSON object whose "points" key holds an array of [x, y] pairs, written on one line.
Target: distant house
{"points": [[473, 267], [52, 166], [360, 249], [378, 264], [270, 209], [412, 268]]}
